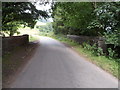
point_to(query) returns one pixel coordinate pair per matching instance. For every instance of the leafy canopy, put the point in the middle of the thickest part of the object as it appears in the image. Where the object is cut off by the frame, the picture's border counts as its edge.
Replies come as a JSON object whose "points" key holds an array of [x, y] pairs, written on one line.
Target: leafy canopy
{"points": [[74, 16], [20, 12]]}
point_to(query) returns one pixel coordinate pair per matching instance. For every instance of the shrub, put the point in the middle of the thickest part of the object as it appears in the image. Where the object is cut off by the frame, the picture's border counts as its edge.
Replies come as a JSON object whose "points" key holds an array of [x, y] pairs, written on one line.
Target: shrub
{"points": [[94, 49], [87, 46], [111, 53], [99, 51]]}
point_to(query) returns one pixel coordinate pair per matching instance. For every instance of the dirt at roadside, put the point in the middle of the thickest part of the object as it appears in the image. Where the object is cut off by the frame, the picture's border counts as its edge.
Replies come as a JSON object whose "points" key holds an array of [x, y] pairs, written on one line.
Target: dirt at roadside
{"points": [[14, 62]]}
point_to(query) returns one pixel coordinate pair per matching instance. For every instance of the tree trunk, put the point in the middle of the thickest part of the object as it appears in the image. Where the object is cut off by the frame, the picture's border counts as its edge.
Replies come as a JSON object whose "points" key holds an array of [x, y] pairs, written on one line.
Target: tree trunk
{"points": [[11, 33]]}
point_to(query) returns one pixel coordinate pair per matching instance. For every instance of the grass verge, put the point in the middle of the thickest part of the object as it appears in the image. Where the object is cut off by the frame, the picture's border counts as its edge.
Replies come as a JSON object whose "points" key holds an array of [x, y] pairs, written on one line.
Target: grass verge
{"points": [[33, 38], [109, 65]]}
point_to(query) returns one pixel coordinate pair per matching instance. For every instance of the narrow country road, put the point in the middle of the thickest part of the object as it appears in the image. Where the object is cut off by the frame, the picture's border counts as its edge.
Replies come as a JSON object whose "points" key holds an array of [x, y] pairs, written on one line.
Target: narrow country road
{"points": [[57, 66]]}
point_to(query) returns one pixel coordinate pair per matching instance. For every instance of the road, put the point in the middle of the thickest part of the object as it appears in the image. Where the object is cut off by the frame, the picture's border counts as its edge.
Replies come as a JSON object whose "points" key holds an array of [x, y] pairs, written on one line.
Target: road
{"points": [[56, 66]]}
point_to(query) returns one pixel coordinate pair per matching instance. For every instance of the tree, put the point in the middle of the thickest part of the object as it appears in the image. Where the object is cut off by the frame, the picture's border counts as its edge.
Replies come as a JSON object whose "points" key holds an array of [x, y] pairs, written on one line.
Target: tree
{"points": [[15, 13], [45, 28], [108, 17], [86, 18], [74, 16], [11, 28]]}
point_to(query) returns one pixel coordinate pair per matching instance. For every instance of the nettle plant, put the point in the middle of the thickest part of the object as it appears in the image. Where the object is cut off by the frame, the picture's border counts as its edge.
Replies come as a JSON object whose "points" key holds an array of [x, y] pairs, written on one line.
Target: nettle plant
{"points": [[112, 38], [94, 49], [111, 53]]}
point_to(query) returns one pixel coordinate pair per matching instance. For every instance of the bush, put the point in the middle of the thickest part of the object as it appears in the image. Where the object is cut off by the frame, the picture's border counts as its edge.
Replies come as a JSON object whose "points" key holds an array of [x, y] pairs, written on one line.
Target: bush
{"points": [[87, 46], [94, 49], [99, 51], [111, 53]]}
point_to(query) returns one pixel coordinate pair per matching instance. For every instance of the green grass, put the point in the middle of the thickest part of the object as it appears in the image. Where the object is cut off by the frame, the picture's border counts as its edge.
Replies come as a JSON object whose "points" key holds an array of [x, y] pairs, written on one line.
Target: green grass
{"points": [[33, 38], [109, 65]]}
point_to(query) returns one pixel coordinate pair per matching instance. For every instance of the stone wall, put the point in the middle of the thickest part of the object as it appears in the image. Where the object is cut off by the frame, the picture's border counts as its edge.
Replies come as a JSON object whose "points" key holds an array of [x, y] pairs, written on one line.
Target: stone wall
{"points": [[9, 43], [99, 41]]}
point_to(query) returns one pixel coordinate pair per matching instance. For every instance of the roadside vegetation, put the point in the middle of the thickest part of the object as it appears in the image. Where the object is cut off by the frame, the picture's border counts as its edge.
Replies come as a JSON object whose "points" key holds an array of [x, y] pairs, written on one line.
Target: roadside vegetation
{"points": [[33, 38], [100, 19], [19, 13]]}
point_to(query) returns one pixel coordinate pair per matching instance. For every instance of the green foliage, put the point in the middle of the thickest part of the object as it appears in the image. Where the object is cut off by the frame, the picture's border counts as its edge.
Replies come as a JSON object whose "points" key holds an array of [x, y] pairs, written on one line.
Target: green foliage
{"points": [[95, 28], [45, 29], [87, 46], [23, 12], [108, 15], [113, 38], [33, 38], [99, 51], [72, 17], [93, 48], [11, 28], [111, 53], [86, 18], [77, 14]]}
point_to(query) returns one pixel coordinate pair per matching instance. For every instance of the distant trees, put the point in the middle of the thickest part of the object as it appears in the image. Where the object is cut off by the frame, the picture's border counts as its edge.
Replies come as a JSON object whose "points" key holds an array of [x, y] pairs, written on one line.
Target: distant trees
{"points": [[17, 13], [45, 28]]}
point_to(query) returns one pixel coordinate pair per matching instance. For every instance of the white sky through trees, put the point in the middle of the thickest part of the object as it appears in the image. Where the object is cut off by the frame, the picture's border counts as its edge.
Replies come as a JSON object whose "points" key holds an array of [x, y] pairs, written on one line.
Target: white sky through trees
{"points": [[45, 8]]}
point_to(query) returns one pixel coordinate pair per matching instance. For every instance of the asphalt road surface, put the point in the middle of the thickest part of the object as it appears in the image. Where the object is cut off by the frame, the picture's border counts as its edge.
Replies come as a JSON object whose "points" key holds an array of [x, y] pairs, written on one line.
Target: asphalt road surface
{"points": [[56, 66]]}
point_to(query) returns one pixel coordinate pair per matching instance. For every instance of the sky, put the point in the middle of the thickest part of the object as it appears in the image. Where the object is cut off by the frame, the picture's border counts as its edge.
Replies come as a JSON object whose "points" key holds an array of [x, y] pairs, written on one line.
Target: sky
{"points": [[46, 7]]}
